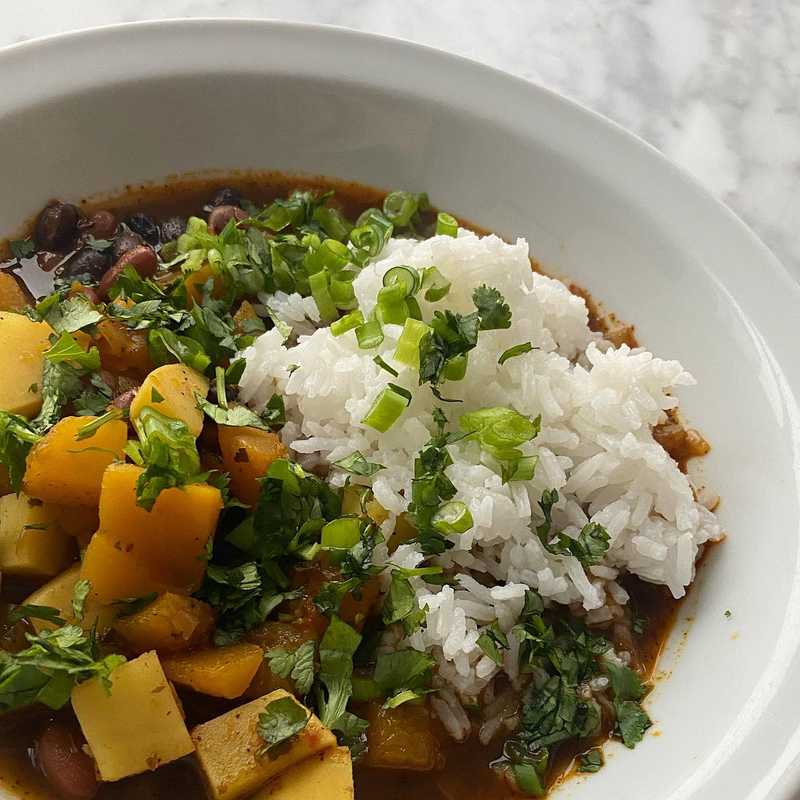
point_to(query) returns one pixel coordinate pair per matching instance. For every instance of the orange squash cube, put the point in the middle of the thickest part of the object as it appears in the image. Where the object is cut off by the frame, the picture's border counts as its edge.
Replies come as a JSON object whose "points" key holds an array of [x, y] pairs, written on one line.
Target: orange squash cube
{"points": [[219, 672], [62, 469], [12, 295], [401, 738], [247, 454]]}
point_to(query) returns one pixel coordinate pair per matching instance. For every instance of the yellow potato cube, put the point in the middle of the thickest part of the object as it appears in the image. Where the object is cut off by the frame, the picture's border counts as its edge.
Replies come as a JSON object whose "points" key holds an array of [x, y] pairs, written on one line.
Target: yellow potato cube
{"points": [[62, 469], [325, 776], [136, 727], [171, 390], [31, 542], [58, 593], [22, 346], [228, 748]]}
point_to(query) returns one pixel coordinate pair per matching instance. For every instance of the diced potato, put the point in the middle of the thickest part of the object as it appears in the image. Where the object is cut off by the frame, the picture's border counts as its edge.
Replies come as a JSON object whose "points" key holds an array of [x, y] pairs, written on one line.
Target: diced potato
{"points": [[61, 469], [270, 636], [122, 350], [172, 623], [12, 295], [171, 389], [325, 776], [136, 551], [58, 593], [136, 727], [401, 738], [228, 749], [219, 672], [22, 346], [247, 454], [31, 542]]}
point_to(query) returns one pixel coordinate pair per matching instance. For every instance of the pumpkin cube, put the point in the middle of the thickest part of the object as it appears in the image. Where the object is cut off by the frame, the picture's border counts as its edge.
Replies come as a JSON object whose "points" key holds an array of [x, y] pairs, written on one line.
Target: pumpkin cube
{"points": [[247, 454], [138, 725], [219, 672], [136, 551], [22, 346], [325, 776], [63, 469], [401, 738], [271, 636], [229, 749], [171, 390]]}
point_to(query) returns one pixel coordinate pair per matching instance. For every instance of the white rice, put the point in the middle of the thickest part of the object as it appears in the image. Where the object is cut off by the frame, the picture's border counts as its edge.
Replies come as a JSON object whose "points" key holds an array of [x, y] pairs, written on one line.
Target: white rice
{"points": [[598, 405]]}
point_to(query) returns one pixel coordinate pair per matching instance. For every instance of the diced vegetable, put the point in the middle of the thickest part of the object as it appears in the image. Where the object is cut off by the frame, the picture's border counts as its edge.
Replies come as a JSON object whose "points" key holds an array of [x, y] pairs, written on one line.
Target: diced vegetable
{"points": [[58, 593], [219, 672], [79, 522], [137, 725], [171, 389], [401, 738], [229, 749], [276, 636], [195, 281], [325, 776], [31, 542], [12, 298], [63, 469], [135, 551], [172, 623], [22, 346], [247, 454], [123, 350]]}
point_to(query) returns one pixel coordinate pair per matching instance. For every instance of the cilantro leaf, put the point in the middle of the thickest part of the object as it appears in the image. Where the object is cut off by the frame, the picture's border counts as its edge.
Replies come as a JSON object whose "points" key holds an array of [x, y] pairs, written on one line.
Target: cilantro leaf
{"points": [[492, 308], [281, 720], [46, 613], [16, 439], [352, 730], [336, 651], [400, 601], [632, 722], [65, 348], [356, 464], [591, 760], [297, 665], [72, 314], [403, 675], [22, 248], [625, 683], [492, 640], [61, 384], [79, 595]]}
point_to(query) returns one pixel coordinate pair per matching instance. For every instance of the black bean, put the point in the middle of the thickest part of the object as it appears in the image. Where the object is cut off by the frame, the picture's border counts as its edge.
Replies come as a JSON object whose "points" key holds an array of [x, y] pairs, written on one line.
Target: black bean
{"points": [[126, 240], [172, 228], [56, 227], [145, 227], [87, 263], [226, 197]]}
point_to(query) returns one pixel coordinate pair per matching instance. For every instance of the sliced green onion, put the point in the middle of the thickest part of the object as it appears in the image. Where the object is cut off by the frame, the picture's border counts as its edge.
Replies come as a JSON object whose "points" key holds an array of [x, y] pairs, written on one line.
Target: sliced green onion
{"points": [[521, 469], [452, 517], [222, 397], [383, 365], [516, 350], [414, 311], [369, 335], [400, 207], [446, 225], [404, 276], [342, 533], [392, 295], [387, 408], [392, 314], [342, 291], [332, 222], [407, 351], [347, 323], [322, 296], [329, 255], [434, 285], [455, 368]]}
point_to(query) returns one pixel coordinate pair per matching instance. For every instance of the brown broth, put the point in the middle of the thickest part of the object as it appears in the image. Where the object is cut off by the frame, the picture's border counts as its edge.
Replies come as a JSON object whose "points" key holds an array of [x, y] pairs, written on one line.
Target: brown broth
{"points": [[466, 774]]}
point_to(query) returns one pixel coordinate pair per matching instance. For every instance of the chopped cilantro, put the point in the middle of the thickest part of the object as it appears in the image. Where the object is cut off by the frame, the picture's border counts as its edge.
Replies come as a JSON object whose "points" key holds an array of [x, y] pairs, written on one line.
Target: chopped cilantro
{"points": [[17, 436], [591, 760], [492, 308], [281, 720], [65, 348], [29, 611], [22, 248], [297, 665], [356, 464], [403, 675], [492, 640], [336, 651], [79, 594]]}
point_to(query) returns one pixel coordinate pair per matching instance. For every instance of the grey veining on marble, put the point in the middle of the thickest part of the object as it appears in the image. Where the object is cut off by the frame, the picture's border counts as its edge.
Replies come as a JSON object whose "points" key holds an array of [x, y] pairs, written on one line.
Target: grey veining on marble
{"points": [[714, 84]]}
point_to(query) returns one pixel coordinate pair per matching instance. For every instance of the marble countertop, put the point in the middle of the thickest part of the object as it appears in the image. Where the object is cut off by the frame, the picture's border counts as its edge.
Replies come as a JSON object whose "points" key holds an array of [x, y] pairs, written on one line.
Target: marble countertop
{"points": [[714, 84]]}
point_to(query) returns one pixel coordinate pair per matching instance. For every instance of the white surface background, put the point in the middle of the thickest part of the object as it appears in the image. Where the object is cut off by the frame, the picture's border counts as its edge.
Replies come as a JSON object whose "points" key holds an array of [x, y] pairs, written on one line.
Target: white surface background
{"points": [[715, 84]]}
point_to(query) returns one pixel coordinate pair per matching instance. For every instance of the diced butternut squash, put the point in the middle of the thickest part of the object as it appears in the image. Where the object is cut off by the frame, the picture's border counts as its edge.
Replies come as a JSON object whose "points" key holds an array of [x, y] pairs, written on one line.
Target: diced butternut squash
{"points": [[79, 522], [62, 469], [325, 776], [31, 542], [138, 725], [122, 350], [219, 672], [401, 738], [136, 551], [171, 390], [58, 593], [270, 636], [12, 295], [247, 454], [22, 346], [229, 749], [196, 280], [172, 623]]}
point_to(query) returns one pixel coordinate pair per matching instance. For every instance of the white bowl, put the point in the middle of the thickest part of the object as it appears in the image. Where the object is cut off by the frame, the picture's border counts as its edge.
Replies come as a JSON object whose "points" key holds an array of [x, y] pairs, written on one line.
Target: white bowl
{"points": [[91, 112]]}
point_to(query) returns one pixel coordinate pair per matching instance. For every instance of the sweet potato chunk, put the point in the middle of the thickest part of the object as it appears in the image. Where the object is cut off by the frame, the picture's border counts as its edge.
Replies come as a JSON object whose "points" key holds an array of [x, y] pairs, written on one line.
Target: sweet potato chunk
{"points": [[31, 542], [61, 469], [219, 672], [136, 551], [401, 738], [135, 727], [122, 350], [172, 623], [22, 346], [247, 454], [171, 390], [12, 295], [58, 593], [229, 747], [325, 776], [270, 636]]}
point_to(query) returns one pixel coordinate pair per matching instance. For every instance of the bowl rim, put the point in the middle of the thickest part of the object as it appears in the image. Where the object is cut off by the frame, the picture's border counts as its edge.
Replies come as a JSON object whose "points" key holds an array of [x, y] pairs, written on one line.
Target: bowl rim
{"points": [[781, 774]]}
